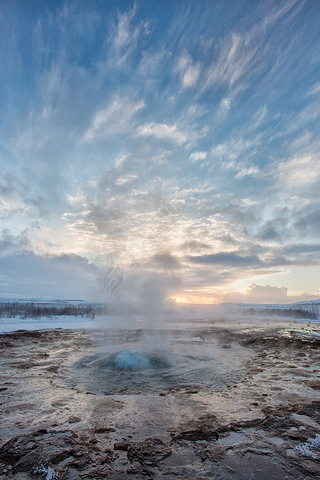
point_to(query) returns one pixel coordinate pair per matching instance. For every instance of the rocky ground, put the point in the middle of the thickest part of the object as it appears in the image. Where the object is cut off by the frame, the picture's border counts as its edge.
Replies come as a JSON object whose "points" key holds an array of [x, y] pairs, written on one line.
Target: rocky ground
{"points": [[263, 424]]}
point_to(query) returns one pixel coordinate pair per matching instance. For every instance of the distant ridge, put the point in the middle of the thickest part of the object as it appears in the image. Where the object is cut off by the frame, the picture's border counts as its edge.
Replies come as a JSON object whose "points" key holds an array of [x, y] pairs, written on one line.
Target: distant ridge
{"points": [[307, 302]]}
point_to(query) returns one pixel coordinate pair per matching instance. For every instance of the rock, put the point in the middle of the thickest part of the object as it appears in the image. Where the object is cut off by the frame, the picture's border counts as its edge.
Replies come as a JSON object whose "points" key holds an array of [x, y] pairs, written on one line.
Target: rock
{"points": [[103, 429], [293, 432], [74, 419], [138, 469], [315, 384], [192, 390], [310, 466], [148, 452], [234, 438], [73, 474], [277, 441], [291, 453], [121, 446], [25, 453], [53, 368], [66, 461], [206, 428], [305, 420]]}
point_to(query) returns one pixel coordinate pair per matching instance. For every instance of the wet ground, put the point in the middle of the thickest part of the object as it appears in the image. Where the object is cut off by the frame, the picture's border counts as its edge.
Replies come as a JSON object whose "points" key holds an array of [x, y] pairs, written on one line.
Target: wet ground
{"points": [[211, 401]]}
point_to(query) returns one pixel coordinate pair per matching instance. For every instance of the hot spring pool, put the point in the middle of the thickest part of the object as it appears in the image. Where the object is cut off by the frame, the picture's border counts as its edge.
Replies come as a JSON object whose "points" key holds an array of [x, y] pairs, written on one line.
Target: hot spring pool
{"points": [[205, 366]]}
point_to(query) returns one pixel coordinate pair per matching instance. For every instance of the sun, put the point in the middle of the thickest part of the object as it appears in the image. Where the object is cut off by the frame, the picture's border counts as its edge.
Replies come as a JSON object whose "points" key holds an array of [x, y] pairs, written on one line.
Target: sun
{"points": [[194, 300]]}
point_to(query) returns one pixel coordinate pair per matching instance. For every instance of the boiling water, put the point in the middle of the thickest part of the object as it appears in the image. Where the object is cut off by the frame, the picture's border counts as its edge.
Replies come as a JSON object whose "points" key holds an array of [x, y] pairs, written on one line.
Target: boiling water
{"points": [[189, 363]]}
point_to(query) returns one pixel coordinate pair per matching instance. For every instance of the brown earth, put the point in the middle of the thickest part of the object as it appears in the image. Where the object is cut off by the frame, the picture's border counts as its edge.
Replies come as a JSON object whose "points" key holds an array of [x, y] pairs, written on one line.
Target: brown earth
{"points": [[264, 425]]}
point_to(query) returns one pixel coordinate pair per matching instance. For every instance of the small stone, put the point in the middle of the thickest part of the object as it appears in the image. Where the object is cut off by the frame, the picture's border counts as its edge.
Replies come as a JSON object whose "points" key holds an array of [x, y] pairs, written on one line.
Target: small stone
{"points": [[74, 419], [315, 384], [103, 429], [310, 466], [305, 420], [277, 441], [121, 446], [291, 453], [73, 474], [137, 468], [66, 461], [293, 432], [234, 438]]}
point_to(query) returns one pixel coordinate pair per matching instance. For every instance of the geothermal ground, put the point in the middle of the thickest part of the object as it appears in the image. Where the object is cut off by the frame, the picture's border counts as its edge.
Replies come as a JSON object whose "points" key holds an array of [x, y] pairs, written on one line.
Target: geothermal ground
{"points": [[197, 401]]}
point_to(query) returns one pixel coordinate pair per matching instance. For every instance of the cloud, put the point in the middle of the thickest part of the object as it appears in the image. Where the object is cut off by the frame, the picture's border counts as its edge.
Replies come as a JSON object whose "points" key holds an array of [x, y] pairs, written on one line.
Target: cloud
{"points": [[196, 156], [273, 229], [116, 109], [307, 222], [71, 259], [115, 119], [10, 243], [229, 259], [246, 172], [225, 104], [194, 245], [125, 33], [188, 70], [65, 276], [300, 171], [254, 294], [243, 54], [238, 58], [162, 131], [237, 154], [124, 37], [314, 90], [11, 195], [16, 199], [166, 261], [265, 293], [300, 248]]}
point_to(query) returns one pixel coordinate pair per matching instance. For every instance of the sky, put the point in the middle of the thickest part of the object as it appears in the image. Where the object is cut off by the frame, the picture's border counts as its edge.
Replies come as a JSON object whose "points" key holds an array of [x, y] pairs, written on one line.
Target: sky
{"points": [[160, 146]]}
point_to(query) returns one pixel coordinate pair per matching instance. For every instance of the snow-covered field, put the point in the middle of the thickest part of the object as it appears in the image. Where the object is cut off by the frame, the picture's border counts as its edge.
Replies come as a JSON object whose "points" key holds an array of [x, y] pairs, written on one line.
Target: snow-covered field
{"points": [[40, 323]]}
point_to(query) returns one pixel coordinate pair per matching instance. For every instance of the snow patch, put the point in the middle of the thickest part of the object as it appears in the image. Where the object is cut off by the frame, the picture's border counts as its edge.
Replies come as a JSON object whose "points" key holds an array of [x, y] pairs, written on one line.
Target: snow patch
{"points": [[308, 448], [47, 472]]}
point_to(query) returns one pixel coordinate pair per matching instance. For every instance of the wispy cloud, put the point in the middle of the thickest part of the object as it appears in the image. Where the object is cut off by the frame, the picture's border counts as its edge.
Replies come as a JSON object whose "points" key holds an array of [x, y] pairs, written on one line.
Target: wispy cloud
{"points": [[188, 70], [126, 32], [114, 119], [196, 156], [162, 131], [299, 171]]}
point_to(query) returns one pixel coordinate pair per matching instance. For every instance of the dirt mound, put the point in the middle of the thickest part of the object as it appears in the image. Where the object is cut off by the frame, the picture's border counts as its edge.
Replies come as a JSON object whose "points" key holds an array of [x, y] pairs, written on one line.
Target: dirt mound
{"points": [[52, 454]]}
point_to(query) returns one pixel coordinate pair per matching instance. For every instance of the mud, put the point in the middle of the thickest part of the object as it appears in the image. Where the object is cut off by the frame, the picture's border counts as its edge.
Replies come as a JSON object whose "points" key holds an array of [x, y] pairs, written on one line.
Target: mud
{"points": [[215, 403]]}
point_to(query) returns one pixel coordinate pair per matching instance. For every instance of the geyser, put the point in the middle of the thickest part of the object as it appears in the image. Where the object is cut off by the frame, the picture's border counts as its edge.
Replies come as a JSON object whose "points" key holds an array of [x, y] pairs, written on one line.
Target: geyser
{"points": [[131, 360], [200, 364]]}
